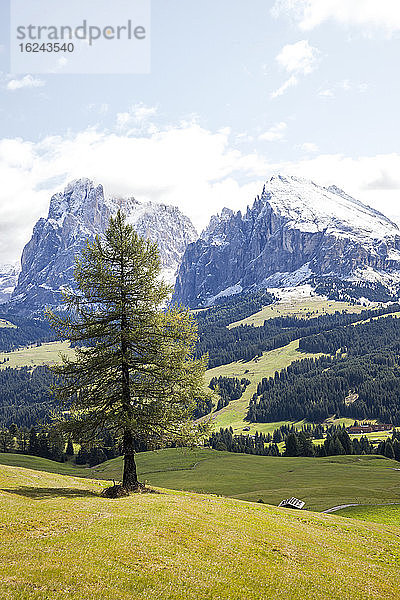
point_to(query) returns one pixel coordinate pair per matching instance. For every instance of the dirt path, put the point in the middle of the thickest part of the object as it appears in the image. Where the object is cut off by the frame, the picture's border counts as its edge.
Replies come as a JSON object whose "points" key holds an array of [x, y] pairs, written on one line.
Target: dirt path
{"points": [[335, 508]]}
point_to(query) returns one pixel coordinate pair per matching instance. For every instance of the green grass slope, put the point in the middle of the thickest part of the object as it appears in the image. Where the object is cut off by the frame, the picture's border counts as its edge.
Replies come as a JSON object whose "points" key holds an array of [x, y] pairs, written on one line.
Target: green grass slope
{"points": [[60, 540], [307, 308], [321, 482], [34, 356], [387, 515], [255, 370]]}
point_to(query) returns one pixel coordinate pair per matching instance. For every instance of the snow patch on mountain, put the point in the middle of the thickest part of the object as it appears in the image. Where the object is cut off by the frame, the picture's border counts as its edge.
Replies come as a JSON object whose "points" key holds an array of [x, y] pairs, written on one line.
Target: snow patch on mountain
{"points": [[288, 279], [230, 291], [311, 208], [294, 294], [294, 230]]}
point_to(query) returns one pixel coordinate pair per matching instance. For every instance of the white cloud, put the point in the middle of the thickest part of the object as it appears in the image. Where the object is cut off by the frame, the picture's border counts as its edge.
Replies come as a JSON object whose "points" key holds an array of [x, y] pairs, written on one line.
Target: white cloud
{"points": [[136, 117], [299, 58], [275, 133], [291, 82], [367, 14], [309, 147], [187, 166], [100, 109], [326, 93], [344, 86], [28, 81]]}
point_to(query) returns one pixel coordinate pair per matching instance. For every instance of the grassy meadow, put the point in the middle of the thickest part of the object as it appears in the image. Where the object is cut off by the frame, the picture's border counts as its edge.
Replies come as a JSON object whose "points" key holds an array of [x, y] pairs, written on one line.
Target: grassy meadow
{"points": [[305, 309], [34, 356], [386, 515], [265, 366], [61, 540], [321, 482]]}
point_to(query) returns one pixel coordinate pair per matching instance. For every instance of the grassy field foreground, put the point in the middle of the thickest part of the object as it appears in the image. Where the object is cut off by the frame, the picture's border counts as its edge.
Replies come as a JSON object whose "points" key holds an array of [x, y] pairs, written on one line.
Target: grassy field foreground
{"points": [[61, 540], [321, 482]]}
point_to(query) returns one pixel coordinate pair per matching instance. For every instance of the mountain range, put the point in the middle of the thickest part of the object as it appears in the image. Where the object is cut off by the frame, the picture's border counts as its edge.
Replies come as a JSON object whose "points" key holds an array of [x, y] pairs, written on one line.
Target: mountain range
{"points": [[295, 232], [81, 212]]}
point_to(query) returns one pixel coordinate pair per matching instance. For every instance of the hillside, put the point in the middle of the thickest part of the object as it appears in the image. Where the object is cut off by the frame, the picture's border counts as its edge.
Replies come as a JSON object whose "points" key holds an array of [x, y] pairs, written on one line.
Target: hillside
{"points": [[236, 351], [266, 365], [387, 514], [61, 540], [321, 482]]}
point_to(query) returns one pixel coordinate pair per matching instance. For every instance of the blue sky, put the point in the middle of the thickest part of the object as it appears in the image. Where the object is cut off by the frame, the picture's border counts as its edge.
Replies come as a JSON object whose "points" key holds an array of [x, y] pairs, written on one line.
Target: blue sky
{"points": [[237, 91]]}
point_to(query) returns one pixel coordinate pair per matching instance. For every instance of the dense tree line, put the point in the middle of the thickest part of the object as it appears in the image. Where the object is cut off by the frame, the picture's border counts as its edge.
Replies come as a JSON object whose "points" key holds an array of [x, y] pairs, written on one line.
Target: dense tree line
{"points": [[228, 388], [357, 340], [25, 396], [25, 333], [46, 443], [226, 440], [297, 443], [391, 447], [336, 443], [247, 342], [311, 430], [358, 387], [352, 291]]}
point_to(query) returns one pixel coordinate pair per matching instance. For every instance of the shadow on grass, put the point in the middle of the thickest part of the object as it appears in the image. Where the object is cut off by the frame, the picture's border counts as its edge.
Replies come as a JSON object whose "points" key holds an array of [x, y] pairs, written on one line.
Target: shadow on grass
{"points": [[38, 492]]}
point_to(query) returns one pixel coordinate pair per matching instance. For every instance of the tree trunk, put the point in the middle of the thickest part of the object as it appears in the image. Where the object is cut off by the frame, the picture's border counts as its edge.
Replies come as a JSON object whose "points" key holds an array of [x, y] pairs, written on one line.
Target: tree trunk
{"points": [[130, 481]]}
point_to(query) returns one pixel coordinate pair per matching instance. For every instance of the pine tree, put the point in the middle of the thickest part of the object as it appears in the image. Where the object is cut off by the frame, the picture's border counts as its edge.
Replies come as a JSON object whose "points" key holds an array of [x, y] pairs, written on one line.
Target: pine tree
{"points": [[396, 449], [389, 452], [306, 447], [5, 440], [134, 373], [292, 445], [70, 448], [33, 444]]}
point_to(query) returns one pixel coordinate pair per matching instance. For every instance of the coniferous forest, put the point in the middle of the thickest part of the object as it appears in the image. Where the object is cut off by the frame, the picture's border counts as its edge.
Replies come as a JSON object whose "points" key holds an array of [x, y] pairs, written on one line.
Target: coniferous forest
{"points": [[358, 378], [25, 396], [300, 443], [246, 341]]}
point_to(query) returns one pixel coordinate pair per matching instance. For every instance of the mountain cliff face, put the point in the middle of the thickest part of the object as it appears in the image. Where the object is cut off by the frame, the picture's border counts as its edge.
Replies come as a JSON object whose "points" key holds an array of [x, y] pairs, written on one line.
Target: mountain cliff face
{"points": [[8, 280], [295, 229], [80, 212]]}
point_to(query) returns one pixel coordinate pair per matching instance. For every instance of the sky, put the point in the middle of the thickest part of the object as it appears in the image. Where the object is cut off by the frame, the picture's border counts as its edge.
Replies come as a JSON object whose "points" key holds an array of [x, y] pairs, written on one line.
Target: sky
{"points": [[237, 91]]}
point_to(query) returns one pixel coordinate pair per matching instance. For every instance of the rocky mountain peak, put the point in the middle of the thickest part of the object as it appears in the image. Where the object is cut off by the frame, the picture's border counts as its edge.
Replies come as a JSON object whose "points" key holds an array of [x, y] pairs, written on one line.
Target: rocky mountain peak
{"points": [[310, 207], [294, 229], [79, 213]]}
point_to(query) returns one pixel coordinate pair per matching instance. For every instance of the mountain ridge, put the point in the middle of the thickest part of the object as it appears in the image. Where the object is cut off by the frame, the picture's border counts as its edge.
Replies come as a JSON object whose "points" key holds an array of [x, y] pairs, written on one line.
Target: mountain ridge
{"points": [[81, 212], [294, 230]]}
